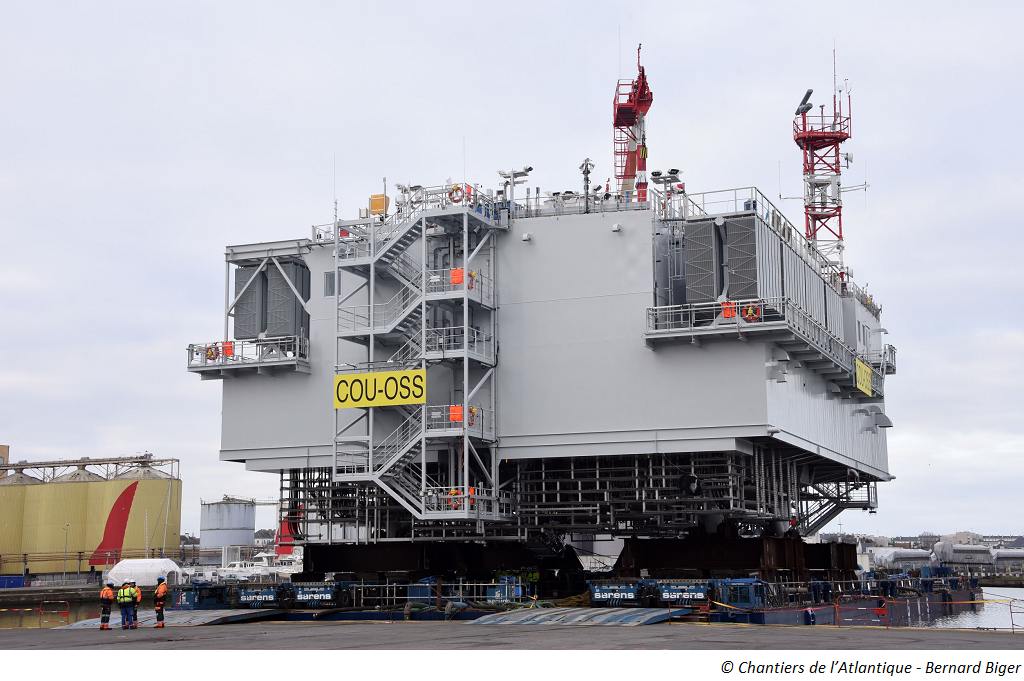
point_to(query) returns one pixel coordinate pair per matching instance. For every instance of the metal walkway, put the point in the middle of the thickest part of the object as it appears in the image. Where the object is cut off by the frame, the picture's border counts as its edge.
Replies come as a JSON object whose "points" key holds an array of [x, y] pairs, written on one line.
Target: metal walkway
{"points": [[183, 618], [622, 617]]}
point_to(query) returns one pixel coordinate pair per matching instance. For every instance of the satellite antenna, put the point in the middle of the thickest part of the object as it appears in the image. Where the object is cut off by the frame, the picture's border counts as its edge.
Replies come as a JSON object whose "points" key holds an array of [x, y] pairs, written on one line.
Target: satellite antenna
{"points": [[805, 105]]}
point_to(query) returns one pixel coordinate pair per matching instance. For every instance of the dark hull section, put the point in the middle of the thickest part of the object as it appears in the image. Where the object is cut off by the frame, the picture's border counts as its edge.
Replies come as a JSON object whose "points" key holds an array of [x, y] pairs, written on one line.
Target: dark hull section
{"points": [[557, 574], [876, 612], [770, 558]]}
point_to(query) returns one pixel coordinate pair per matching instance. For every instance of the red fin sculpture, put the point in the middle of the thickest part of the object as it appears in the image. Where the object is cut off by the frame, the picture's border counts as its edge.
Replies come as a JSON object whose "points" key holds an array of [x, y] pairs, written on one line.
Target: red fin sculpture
{"points": [[113, 534]]}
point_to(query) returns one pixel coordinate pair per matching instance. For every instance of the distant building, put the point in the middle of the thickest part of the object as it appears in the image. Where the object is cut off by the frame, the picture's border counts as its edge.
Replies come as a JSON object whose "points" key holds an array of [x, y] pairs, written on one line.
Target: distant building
{"points": [[963, 538], [999, 541], [264, 537]]}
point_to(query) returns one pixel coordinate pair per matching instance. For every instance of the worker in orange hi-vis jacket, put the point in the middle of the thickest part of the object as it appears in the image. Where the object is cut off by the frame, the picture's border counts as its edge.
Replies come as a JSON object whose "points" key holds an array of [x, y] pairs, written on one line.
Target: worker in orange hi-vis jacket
{"points": [[107, 598], [159, 599]]}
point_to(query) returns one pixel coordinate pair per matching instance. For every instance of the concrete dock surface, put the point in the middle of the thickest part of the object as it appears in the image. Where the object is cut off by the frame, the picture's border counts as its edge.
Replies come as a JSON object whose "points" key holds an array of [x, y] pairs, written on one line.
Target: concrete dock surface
{"points": [[462, 636]]}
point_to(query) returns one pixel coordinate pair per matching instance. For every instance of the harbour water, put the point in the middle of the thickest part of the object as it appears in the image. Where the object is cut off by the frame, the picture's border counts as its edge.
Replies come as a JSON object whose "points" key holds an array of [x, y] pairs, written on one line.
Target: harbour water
{"points": [[992, 615], [29, 617]]}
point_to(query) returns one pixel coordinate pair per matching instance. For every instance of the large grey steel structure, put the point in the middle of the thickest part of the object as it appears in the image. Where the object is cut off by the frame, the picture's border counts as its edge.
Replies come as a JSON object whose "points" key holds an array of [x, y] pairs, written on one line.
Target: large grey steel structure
{"points": [[595, 366]]}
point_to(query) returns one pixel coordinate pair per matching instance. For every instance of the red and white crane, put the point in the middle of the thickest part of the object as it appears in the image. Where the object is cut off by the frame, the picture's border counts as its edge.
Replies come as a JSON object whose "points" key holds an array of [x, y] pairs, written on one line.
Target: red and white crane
{"points": [[632, 101]]}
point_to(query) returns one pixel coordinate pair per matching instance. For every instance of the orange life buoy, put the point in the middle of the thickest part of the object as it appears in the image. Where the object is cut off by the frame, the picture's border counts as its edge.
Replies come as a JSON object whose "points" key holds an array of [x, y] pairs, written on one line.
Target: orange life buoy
{"points": [[472, 276], [455, 498], [751, 313], [212, 352], [456, 194]]}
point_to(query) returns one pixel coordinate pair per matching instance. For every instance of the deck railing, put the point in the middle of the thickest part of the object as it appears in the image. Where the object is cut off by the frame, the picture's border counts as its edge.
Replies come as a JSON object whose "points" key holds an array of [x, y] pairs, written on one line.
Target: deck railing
{"points": [[235, 353]]}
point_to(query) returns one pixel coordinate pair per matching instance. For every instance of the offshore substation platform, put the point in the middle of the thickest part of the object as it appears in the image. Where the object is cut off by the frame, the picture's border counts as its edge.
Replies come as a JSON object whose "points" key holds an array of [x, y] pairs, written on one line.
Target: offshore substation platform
{"points": [[471, 377]]}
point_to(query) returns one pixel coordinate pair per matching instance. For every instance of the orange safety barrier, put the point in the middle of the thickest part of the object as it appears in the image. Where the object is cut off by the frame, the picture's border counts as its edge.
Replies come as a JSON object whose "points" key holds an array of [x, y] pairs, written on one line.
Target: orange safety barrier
{"points": [[876, 616], [728, 310], [456, 276], [63, 609], [455, 412]]}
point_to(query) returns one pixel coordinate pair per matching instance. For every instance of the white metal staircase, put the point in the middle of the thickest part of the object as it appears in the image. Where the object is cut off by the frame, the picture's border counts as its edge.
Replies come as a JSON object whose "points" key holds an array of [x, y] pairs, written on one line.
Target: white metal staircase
{"points": [[380, 252]]}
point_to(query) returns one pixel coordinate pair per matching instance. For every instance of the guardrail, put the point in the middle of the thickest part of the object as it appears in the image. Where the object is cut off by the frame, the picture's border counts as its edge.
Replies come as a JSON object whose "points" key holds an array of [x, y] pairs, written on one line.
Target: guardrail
{"points": [[458, 279], [385, 315], [477, 420], [750, 315], [390, 449], [750, 199], [234, 353], [574, 204], [365, 238], [816, 126], [454, 339], [484, 500], [885, 361]]}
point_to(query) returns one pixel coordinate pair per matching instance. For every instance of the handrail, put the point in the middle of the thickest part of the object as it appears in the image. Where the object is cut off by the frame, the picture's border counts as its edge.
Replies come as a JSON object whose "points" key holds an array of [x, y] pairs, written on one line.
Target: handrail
{"points": [[411, 206], [239, 352], [821, 125], [459, 279], [751, 199], [454, 339], [473, 418], [357, 317], [392, 446], [698, 316], [574, 205]]}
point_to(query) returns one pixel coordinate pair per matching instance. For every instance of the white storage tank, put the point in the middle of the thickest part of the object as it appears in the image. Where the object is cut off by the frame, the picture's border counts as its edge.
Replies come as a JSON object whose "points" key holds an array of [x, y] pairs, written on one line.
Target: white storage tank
{"points": [[228, 522]]}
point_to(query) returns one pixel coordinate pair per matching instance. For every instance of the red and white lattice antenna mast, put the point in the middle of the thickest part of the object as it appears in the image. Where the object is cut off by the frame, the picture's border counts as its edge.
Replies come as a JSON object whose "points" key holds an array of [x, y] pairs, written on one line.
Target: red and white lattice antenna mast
{"points": [[819, 137], [632, 101]]}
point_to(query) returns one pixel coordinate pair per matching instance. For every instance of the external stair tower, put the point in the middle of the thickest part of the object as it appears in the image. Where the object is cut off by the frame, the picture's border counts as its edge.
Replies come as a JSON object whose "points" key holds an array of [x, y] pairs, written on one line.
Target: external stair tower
{"points": [[425, 285]]}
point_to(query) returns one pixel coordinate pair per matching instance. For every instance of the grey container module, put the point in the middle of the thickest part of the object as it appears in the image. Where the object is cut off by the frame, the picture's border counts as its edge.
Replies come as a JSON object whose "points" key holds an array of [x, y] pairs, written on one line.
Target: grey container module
{"points": [[703, 258], [250, 310], [285, 314], [741, 237]]}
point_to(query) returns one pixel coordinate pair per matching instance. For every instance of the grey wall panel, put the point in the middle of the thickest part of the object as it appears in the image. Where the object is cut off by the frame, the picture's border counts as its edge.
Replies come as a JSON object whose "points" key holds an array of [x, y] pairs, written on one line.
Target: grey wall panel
{"points": [[250, 310], [702, 265], [802, 407], [741, 239], [834, 312], [769, 263], [574, 375], [793, 268], [662, 255], [814, 287]]}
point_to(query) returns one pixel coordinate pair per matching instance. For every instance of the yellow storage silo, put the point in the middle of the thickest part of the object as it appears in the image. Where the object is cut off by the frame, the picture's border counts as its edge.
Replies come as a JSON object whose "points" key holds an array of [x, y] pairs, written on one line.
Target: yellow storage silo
{"points": [[155, 519], [92, 521], [13, 494]]}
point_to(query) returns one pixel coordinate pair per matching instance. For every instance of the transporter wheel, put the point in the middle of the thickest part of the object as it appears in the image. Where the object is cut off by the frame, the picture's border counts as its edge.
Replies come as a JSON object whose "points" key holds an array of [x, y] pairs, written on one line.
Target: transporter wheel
{"points": [[345, 599]]}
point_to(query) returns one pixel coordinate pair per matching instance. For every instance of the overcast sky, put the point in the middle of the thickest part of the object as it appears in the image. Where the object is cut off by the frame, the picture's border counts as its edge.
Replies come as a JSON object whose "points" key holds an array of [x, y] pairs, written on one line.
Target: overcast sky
{"points": [[137, 140]]}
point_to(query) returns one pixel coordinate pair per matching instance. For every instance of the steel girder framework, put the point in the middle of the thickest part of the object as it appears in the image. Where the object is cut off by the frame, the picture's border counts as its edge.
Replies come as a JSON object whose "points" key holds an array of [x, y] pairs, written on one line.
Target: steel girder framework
{"points": [[672, 494]]}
